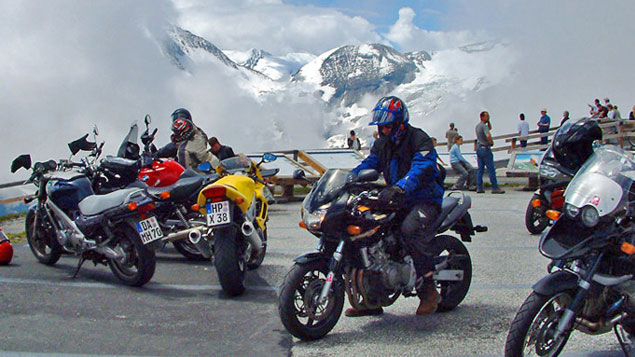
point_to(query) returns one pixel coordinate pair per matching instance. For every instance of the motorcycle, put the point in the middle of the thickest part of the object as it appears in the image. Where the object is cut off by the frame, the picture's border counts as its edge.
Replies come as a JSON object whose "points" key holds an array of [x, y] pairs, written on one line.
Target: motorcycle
{"points": [[590, 285], [361, 253], [571, 147], [115, 229], [236, 211]]}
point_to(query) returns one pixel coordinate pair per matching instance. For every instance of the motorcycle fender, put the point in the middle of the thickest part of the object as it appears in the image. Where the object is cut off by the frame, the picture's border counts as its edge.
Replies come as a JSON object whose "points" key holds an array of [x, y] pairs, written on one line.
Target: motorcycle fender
{"points": [[556, 282], [310, 257]]}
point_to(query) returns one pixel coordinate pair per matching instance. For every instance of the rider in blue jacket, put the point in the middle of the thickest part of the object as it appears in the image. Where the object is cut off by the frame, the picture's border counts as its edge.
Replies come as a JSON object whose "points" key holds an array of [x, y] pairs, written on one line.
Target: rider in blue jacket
{"points": [[408, 160]]}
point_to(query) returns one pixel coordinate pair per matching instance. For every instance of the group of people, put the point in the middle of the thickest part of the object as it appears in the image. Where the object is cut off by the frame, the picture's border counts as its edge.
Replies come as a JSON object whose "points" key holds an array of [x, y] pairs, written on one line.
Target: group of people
{"points": [[190, 145]]}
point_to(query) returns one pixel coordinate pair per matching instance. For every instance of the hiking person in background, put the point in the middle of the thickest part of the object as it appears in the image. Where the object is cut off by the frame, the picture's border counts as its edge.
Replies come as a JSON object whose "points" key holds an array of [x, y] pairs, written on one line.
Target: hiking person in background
{"points": [[222, 152], [450, 134], [482, 146], [543, 126], [565, 117], [353, 142], [523, 130], [466, 172]]}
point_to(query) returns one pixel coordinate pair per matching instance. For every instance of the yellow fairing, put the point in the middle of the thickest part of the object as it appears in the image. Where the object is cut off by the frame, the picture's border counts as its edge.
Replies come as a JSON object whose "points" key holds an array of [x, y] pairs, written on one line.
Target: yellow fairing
{"points": [[237, 187]]}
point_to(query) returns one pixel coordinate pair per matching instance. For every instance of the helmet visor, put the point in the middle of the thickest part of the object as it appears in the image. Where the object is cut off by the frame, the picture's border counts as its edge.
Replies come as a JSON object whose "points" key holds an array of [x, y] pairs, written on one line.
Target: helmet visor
{"points": [[383, 116]]}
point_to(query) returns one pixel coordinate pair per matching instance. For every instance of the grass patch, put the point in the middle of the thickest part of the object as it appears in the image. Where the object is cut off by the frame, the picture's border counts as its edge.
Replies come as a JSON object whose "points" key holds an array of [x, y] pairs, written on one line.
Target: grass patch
{"points": [[11, 216], [16, 237]]}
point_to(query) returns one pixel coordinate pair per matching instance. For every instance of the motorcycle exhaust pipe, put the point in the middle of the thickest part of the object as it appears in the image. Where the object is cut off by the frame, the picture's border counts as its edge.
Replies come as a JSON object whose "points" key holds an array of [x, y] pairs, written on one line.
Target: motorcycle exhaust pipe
{"points": [[183, 234], [248, 230], [194, 237], [201, 244]]}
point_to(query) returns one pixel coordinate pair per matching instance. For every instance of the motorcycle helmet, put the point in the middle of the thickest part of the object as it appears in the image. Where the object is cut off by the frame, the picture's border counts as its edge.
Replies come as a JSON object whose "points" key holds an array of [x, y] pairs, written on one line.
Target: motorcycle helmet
{"points": [[182, 129], [573, 142], [6, 250], [391, 111], [181, 113]]}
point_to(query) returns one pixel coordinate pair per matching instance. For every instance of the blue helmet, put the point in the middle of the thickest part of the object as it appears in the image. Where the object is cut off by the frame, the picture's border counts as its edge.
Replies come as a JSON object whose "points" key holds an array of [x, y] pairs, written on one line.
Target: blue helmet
{"points": [[390, 110]]}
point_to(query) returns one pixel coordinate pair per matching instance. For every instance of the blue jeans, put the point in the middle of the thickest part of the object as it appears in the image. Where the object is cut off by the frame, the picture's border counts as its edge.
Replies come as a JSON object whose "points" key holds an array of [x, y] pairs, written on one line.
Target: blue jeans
{"points": [[484, 158]]}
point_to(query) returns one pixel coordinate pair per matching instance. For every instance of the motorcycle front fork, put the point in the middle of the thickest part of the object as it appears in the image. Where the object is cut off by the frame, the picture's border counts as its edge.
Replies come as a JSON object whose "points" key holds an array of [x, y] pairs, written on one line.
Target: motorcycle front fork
{"points": [[572, 310], [333, 267]]}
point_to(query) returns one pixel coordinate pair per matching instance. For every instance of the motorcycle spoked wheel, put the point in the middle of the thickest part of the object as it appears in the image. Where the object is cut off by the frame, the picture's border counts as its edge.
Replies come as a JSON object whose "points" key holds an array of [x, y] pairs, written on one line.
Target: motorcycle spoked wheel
{"points": [[229, 260], [138, 263], [531, 331], [40, 243], [453, 292], [535, 219], [298, 306], [255, 261]]}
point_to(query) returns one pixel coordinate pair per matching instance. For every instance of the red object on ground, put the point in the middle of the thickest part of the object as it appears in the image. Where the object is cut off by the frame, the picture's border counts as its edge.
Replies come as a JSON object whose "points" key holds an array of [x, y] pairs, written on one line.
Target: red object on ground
{"points": [[6, 250]]}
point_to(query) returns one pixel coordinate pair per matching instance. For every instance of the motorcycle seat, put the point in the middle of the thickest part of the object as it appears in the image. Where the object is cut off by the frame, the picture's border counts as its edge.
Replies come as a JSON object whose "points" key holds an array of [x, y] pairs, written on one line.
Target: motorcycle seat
{"points": [[447, 205], [181, 189], [97, 204]]}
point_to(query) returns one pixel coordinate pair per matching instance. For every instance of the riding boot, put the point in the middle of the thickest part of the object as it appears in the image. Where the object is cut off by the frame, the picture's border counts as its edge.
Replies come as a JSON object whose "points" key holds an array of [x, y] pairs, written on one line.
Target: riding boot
{"points": [[429, 297], [353, 312]]}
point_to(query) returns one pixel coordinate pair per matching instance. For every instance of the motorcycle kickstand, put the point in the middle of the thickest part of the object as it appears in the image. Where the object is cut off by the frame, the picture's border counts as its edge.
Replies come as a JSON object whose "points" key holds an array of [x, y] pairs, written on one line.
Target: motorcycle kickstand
{"points": [[620, 338], [79, 265]]}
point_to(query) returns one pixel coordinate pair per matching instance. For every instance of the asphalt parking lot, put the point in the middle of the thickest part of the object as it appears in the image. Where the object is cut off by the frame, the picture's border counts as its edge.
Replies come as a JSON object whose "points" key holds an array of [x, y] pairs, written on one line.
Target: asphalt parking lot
{"points": [[183, 311]]}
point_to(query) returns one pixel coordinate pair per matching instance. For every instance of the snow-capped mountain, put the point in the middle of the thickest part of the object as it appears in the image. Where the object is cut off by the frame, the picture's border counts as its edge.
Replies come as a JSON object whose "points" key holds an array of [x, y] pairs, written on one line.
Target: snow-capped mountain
{"points": [[349, 79]]}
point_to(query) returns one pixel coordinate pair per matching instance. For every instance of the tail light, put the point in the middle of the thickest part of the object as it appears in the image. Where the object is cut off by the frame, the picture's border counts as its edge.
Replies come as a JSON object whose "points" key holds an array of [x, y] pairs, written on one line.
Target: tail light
{"points": [[144, 209], [214, 192]]}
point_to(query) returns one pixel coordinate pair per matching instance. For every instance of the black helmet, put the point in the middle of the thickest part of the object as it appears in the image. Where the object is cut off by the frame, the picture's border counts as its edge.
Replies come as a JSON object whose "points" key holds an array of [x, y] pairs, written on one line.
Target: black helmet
{"points": [[573, 142], [181, 113]]}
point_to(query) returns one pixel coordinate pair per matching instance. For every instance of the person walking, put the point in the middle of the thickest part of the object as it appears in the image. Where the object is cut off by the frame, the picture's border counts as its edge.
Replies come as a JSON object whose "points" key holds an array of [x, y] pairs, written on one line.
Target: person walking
{"points": [[543, 126], [466, 172], [484, 155], [523, 130], [450, 134], [353, 142]]}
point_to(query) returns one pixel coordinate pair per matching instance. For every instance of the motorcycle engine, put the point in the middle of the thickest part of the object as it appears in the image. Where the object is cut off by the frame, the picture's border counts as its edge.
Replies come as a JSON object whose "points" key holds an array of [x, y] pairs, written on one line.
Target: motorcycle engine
{"points": [[393, 274]]}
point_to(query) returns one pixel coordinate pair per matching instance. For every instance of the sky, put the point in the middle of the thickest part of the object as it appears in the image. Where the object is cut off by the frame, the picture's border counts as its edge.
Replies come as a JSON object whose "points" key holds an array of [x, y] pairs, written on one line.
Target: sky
{"points": [[70, 64]]}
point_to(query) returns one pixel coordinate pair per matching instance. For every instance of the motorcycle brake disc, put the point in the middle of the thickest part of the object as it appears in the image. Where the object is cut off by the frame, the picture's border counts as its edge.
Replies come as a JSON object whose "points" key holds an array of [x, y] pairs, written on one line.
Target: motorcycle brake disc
{"points": [[313, 309]]}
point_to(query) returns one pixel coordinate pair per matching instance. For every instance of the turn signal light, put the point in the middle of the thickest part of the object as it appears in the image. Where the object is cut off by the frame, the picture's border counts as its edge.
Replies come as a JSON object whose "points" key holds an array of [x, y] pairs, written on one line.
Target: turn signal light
{"points": [[132, 206], [214, 191], [302, 225], [239, 200], [196, 207], [354, 230], [535, 203], [552, 214], [165, 195], [362, 208], [628, 248]]}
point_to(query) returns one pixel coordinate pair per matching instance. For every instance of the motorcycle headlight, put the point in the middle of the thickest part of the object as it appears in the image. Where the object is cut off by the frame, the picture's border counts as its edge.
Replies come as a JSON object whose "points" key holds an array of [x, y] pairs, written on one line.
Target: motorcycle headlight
{"points": [[313, 220], [571, 210], [590, 216]]}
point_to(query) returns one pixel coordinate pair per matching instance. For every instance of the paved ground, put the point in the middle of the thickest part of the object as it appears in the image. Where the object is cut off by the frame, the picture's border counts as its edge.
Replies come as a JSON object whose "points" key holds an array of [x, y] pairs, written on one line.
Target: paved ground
{"points": [[183, 312]]}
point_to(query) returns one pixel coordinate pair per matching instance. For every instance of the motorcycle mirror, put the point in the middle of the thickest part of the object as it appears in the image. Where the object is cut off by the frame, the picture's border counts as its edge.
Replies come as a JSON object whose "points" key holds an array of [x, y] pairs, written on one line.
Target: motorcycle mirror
{"points": [[268, 157], [205, 167], [299, 174], [81, 144], [147, 119], [21, 161], [95, 130]]}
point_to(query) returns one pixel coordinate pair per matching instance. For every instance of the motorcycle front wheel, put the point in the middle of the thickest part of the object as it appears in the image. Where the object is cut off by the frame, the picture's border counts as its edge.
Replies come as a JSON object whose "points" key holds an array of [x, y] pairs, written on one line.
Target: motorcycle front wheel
{"points": [[454, 251], [300, 312], [532, 330], [137, 263], [40, 243], [229, 261], [535, 219]]}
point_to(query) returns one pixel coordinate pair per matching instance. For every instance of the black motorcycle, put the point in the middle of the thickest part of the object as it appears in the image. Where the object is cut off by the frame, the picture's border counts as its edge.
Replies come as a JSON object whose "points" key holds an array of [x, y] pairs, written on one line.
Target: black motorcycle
{"points": [[115, 229], [590, 286], [361, 254]]}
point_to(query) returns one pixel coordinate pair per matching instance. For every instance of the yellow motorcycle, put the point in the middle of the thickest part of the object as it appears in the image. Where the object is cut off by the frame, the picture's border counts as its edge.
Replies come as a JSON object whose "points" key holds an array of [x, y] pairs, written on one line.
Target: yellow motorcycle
{"points": [[236, 211]]}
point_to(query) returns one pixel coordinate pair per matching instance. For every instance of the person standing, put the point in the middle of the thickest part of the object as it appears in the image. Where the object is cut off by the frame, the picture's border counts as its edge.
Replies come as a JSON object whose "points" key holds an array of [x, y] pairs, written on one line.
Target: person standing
{"points": [[523, 130], [543, 125], [466, 172], [353, 142], [484, 155], [372, 140], [450, 134], [565, 117]]}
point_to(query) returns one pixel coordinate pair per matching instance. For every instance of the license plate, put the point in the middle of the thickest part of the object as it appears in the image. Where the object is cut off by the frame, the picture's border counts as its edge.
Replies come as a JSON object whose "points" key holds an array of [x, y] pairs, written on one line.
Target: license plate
{"points": [[149, 230], [218, 213]]}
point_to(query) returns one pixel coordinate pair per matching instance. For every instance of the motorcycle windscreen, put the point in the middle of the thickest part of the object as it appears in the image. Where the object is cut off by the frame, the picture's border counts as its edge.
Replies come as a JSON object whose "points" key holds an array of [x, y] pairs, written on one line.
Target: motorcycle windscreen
{"points": [[326, 189], [603, 181], [129, 148]]}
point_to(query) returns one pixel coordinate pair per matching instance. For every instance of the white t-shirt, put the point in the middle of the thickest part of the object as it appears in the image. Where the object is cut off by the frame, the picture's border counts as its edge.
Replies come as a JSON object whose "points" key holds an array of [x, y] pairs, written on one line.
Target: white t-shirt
{"points": [[523, 128]]}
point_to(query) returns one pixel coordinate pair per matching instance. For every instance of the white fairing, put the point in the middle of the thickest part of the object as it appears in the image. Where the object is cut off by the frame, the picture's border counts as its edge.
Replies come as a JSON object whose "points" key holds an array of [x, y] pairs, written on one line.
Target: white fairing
{"points": [[595, 190]]}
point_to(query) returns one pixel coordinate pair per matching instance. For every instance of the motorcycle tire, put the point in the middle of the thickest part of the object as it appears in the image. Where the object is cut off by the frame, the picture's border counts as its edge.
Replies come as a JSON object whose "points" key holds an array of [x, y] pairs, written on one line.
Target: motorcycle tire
{"points": [[302, 285], [139, 262], [188, 250], [255, 262], [453, 292], [45, 248], [537, 314], [229, 262], [535, 219]]}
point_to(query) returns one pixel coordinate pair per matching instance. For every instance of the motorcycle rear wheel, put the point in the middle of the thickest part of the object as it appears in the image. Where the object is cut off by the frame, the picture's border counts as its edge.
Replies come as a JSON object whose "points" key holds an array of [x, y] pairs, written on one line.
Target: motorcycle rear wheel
{"points": [[453, 292], [139, 262], [535, 219], [188, 250], [229, 262], [299, 311], [40, 243], [531, 331]]}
